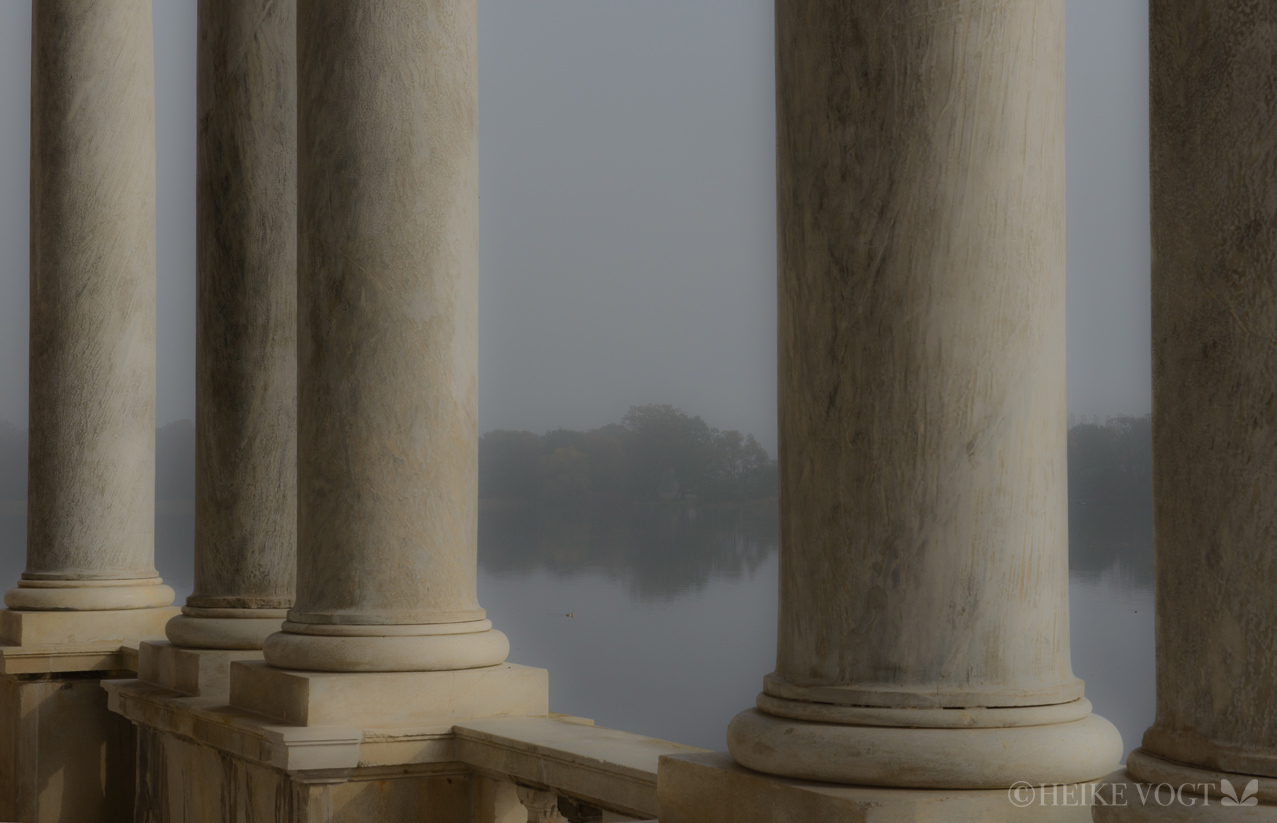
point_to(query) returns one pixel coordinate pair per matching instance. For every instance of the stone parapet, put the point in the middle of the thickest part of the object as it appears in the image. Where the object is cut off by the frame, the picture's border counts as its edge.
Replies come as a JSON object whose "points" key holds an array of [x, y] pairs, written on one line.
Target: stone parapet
{"points": [[711, 788]]}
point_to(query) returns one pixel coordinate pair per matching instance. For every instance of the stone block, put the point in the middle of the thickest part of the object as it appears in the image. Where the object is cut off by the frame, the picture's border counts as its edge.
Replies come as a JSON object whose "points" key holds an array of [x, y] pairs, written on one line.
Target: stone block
{"points": [[610, 769], [79, 628], [388, 699], [194, 672]]}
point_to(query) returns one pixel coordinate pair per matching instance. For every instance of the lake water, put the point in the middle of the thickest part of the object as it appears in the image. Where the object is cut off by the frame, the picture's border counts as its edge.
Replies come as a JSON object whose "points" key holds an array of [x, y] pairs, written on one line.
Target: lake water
{"points": [[663, 622]]}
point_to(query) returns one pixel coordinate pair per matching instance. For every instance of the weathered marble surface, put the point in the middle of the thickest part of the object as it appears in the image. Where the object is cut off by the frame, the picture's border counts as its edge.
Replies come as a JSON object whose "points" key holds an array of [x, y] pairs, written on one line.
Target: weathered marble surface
{"points": [[924, 559], [246, 326], [91, 499], [387, 345], [1213, 155], [920, 187]]}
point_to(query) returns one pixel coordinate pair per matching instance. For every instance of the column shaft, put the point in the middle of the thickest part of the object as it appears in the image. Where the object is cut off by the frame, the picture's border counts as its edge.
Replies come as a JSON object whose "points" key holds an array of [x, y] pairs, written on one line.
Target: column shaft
{"points": [[1213, 156], [246, 326], [924, 556], [387, 343], [91, 491]]}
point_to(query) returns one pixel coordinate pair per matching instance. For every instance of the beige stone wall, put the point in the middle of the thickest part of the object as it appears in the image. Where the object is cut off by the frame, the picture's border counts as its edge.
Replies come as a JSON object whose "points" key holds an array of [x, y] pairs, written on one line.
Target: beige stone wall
{"points": [[181, 781], [63, 756]]}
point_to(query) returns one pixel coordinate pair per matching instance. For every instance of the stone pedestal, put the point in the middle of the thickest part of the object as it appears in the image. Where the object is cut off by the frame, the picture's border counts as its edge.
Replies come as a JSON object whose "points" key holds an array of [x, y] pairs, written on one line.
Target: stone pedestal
{"points": [[315, 747], [1214, 200], [193, 672], [924, 633], [63, 756]]}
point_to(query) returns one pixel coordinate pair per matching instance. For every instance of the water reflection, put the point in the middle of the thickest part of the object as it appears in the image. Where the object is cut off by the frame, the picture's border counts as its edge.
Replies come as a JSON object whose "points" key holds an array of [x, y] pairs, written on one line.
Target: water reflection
{"points": [[658, 551]]}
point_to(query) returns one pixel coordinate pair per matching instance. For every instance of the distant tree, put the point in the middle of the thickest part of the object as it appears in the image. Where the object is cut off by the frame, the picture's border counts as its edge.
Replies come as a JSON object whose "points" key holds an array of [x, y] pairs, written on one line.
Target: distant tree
{"points": [[1111, 464], [656, 453], [564, 475], [609, 473], [562, 439], [742, 468], [670, 454], [509, 465], [175, 461]]}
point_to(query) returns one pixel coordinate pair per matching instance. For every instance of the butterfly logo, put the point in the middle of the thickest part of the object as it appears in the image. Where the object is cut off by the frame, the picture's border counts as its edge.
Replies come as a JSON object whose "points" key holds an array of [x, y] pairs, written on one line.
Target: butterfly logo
{"points": [[1230, 795]]}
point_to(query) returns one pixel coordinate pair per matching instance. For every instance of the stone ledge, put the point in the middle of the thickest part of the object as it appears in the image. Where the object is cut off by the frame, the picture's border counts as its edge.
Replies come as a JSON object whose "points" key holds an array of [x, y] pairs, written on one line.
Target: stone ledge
{"points": [[712, 788], [210, 722], [27, 661], [611, 769], [39, 643], [321, 751], [428, 701], [83, 628]]}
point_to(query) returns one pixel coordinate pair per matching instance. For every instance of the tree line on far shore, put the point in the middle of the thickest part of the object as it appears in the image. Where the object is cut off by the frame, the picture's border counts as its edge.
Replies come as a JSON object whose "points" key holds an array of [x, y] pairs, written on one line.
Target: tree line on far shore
{"points": [[1112, 464], [657, 453]]}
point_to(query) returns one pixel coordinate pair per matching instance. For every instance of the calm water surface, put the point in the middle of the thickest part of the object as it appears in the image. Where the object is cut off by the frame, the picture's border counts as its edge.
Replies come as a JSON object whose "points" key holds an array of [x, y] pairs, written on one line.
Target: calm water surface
{"points": [[663, 622]]}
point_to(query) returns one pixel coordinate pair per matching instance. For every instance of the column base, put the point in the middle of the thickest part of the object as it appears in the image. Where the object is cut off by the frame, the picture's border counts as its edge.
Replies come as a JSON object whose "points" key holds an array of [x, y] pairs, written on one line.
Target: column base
{"points": [[711, 788], [192, 672], [1152, 789], [953, 756], [345, 647], [89, 595], [237, 629]]}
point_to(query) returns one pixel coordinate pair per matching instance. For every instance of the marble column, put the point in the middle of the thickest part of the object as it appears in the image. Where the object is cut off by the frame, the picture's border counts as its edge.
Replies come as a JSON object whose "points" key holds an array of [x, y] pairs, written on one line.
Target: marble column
{"points": [[246, 327], [91, 489], [90, 592], [924, 624], [387, 347], [1213, 158]]}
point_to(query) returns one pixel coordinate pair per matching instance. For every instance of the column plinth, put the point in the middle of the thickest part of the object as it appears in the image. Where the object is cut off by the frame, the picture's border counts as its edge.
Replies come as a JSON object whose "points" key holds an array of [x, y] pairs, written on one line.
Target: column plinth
{"points": [[924, 634], [387, 343], [1214, 309]]}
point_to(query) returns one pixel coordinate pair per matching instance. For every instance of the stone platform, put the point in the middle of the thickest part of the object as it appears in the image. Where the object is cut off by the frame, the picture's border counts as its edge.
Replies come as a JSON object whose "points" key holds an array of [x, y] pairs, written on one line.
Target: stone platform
{"points": [[316, 747]]}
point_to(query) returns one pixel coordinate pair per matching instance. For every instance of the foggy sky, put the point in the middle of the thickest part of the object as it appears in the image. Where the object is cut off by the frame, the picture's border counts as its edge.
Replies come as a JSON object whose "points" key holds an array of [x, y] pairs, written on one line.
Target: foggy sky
{"points": [[627, 210]]}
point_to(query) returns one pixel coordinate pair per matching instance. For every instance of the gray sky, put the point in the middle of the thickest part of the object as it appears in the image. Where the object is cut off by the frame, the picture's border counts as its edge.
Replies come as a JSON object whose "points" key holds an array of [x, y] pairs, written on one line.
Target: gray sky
{"points": [[627, 208]]}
